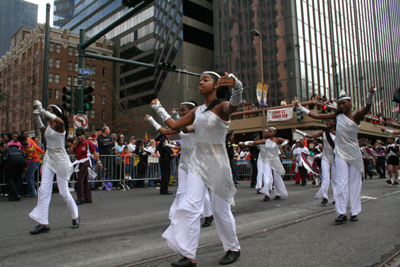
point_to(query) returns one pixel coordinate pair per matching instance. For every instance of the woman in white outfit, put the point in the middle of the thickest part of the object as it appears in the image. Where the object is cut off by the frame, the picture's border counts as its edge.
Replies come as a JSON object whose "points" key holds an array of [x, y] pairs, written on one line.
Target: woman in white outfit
{"points": [[260, 163], [188, 139], [348, 159], [56, 161], [328, 159], [273, 168], [209, 170]]}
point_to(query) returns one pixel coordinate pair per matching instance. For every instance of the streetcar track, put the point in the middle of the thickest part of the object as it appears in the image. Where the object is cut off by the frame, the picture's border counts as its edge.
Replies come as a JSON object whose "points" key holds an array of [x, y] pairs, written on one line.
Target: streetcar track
{"points": [[259, 232], [388, 262]]}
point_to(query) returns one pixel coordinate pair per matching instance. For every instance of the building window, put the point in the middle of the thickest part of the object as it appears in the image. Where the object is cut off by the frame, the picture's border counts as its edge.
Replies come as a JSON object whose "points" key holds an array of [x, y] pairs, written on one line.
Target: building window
{"points": [[57, 94], [93, 99], [57, 63], [51, 62], [76, 52], [69, 82], [57, 78], [58, 48], [75, 81], [103, 114], [51, 47], [93, 83], [92, 114], [103, 100], [68, 113], [49, 93], [93, 70], [70, 51], [69, 65], [50, 77], [104, 72], [104, 86], [76, 67]]}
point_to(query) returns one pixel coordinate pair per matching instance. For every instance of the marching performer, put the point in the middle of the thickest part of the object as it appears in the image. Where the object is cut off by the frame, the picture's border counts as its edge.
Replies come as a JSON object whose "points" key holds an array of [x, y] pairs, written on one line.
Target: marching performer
{"points": [[56, 161], [260, 162], [188, 139], [328, 159], [348, 159], [273, 168], [209, 169], [393, 159]]}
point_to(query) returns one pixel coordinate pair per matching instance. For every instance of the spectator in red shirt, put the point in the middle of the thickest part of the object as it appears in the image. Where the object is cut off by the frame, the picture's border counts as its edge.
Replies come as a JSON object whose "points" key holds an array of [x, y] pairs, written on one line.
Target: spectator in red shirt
{"points": [[33, 162], [83, 149]]}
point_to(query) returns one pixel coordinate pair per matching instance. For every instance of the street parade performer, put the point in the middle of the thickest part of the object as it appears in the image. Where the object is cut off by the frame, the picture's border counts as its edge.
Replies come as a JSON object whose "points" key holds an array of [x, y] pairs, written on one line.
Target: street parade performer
{"points": [[273, 168], [328, 159], [188, 140], [348, 159], [56, 161], [209, 170]]}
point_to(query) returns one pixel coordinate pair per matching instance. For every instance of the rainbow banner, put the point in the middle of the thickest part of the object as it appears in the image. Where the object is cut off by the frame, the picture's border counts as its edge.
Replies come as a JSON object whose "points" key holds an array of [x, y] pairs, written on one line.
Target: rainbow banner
{"points": [[265, 91], [259, 93]]}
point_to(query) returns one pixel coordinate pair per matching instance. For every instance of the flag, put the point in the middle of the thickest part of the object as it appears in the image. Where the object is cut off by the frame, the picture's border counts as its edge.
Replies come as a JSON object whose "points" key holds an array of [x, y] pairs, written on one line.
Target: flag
{"points": [[259, 92], [145, 138], [311, 162], [265, 91]]}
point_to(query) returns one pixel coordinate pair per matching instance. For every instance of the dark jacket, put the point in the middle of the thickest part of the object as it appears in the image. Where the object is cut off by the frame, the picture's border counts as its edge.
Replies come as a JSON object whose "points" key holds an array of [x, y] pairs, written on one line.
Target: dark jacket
{"points": [[229, 148], [165, 152], [143, 155], [254, 151]]}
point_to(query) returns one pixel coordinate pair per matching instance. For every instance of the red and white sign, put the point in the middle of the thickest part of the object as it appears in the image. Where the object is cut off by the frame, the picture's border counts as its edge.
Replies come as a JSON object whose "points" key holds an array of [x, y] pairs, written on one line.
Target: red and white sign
{"points": [[80, 121], [283, 114]]}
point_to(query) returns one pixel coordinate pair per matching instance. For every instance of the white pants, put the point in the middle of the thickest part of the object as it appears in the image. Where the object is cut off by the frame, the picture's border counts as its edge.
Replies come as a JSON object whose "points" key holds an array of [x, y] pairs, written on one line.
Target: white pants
{"points": [[41, 212], [181, 192], [348, 181], [270, 176], [260, 173], [328, 174], [184, 231]]}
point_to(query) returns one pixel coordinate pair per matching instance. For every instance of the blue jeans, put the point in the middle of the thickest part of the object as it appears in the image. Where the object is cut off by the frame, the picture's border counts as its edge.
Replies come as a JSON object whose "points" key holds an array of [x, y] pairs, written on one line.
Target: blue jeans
{"points": [[235, 171], [30, 179]]}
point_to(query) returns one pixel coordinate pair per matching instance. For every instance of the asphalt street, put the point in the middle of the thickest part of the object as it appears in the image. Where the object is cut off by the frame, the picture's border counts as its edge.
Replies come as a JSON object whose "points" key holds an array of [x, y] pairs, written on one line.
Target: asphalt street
{"points": [[123, 228]]}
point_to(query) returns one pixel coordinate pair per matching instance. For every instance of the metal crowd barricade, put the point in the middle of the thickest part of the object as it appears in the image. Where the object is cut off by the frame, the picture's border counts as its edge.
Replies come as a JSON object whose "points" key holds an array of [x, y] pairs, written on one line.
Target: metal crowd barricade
{"points": [[245, 169]]}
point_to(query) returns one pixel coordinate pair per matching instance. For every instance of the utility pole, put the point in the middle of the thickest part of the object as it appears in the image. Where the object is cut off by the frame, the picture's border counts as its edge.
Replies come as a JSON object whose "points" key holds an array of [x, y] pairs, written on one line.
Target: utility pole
{"points": [[46, 64]]}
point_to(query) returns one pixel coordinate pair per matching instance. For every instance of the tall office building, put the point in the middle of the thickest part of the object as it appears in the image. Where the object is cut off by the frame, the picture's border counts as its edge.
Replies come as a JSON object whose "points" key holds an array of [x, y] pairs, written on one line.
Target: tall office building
{"points": [[178, 32], [15, 14], [311, 47]]}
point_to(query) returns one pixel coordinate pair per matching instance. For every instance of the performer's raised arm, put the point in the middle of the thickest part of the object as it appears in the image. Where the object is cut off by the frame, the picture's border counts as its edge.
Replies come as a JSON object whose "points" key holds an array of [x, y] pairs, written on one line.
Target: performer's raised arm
{"points": [[319, 134], [389, 131]]}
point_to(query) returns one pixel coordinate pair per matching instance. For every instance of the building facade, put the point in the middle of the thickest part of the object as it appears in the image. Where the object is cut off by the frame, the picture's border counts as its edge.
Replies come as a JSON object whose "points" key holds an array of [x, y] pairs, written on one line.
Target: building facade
{"points": [[178, 32], [21, 77], [15, 14], [311, 47]]}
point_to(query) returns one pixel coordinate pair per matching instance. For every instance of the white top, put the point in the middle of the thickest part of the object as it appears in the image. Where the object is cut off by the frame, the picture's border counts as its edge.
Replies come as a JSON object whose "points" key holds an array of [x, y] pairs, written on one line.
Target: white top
{"points": [[263, 153], [346, 143], [298, 152], [327, 153], [131, 148], [210, 159], [187, 147], [272, 157], [56, 157]]}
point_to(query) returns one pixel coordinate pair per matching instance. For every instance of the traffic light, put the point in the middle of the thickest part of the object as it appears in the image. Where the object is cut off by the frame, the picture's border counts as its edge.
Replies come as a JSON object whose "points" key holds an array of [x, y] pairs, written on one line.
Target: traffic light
{"points": [[131, 3], [324, 109], [67, 98], [165, 66], [299, 115], [87, 98]]}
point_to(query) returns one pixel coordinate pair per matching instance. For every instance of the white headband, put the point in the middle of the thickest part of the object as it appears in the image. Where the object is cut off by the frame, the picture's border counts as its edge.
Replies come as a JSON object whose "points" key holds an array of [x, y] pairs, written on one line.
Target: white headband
{"points": [[212, 72], [344, 97], [188, 103], [51, 105], [273, 128]]}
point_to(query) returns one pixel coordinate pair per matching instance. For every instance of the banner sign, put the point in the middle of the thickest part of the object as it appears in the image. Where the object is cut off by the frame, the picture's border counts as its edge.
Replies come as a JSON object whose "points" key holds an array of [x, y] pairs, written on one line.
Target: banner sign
{"points": [[265, 91], [283, 114], [259, 93]]}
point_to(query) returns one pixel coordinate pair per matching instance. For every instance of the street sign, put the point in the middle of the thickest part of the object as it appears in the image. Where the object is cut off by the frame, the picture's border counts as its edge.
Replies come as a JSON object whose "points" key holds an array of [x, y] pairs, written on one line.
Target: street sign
{"points": [[80, 121], [85, 76], [85, 71]]}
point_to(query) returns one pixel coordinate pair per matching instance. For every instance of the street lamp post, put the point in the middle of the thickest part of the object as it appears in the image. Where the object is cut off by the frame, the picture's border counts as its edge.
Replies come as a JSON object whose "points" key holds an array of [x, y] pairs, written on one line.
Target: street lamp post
{"points": [[257, 33]]}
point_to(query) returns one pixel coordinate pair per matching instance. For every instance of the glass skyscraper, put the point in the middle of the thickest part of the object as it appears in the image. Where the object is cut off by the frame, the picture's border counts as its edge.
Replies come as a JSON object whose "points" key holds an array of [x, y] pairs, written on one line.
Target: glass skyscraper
{"points": [[15, 14], [311, 47], [178, 32]]}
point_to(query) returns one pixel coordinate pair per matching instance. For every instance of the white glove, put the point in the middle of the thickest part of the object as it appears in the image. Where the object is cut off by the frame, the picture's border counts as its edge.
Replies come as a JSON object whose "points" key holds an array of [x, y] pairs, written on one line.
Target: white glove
{"points": [[37, 104]]}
